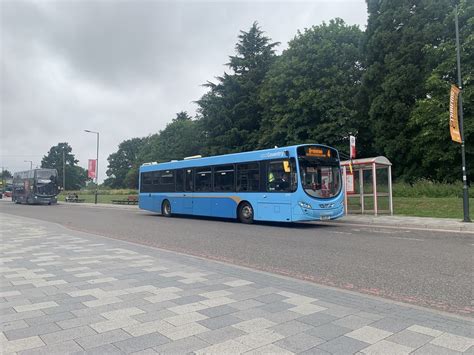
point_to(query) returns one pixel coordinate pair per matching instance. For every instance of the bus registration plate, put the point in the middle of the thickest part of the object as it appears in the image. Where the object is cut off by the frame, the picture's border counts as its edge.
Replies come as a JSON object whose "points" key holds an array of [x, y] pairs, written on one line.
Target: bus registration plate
{"points": [[325, 218]]}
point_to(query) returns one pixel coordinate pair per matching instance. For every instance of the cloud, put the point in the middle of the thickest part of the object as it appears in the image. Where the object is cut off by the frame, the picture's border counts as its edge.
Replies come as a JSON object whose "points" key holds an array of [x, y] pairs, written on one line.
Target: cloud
{"points": [[122, 68]]}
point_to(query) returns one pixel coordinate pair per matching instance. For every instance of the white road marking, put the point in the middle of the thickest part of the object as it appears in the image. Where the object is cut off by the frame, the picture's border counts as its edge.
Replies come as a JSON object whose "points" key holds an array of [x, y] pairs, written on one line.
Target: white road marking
{"points": [[415, 239]]}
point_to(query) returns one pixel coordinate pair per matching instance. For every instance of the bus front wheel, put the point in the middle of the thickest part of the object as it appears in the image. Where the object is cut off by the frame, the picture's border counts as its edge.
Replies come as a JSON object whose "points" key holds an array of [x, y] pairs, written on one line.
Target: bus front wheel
{"points": [[246, 213], [166, 208]]}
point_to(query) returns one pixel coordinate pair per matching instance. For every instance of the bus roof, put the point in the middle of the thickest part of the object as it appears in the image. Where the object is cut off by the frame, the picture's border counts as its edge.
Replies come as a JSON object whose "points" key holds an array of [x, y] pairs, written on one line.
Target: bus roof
{"points": [[26, 171], [255, 155]]}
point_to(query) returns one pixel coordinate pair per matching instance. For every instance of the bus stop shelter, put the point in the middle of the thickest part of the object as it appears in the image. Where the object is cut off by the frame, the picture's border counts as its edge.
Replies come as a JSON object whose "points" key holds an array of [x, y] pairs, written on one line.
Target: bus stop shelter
{"points": [[368, 187]]}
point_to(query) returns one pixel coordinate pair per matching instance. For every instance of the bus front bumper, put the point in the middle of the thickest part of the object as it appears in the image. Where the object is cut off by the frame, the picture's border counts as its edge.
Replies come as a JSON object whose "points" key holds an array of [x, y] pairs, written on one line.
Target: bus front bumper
{"points": [[320, 214], [45, 200]]}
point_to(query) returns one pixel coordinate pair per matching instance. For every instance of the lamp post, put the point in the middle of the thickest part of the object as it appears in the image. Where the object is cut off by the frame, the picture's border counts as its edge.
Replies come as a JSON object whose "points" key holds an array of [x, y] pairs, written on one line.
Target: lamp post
{"points": [[96, 165], [31, 163]]}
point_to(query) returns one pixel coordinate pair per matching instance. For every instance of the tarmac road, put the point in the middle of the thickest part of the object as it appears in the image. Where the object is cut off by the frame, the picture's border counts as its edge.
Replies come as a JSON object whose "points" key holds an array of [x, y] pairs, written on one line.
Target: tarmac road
{"points": [[426, 268]]}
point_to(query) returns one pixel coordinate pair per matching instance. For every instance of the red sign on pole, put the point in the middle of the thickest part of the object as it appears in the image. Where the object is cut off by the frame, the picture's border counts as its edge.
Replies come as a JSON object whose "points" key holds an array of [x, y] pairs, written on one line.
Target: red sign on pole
{"points": [[91, 169], [352, 140]]}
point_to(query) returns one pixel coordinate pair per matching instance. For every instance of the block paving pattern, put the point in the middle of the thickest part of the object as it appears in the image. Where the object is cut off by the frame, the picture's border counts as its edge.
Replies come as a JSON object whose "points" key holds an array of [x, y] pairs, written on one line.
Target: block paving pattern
{"points": [[63, 291]]}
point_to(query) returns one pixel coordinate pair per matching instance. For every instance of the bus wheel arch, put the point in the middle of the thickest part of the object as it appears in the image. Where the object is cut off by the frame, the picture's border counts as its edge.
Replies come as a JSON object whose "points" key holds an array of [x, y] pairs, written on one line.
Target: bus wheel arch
{"points": [[166, 208], [245, 212]]}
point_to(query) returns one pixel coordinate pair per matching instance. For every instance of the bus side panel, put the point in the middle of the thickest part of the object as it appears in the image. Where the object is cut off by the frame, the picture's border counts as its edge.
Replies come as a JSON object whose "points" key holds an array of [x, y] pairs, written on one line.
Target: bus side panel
{"points": [[224, 207], [202, 205], [274, 207], [146, 201]]}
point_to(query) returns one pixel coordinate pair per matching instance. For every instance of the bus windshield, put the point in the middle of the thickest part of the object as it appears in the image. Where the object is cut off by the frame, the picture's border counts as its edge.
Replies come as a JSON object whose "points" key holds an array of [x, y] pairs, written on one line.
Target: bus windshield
{"points": [[320, 172], [46, 184]]}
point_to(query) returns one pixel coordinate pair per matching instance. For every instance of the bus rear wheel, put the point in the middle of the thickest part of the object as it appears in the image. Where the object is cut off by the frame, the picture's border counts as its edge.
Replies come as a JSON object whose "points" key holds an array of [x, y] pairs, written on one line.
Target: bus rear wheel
{"points": [[246, 213], [166, 208]]}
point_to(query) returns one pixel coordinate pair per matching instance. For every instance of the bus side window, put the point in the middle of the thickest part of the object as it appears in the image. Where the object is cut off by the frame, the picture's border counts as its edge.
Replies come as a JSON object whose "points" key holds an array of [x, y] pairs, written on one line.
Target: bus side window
{"points": [[248, 177], [224, 178], [167, 183], [204, 179], [146, 182]]}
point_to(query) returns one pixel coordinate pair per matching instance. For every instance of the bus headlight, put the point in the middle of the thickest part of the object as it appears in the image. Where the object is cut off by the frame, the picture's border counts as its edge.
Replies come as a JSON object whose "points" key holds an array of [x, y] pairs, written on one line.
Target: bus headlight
{"points": [[304, 205]]}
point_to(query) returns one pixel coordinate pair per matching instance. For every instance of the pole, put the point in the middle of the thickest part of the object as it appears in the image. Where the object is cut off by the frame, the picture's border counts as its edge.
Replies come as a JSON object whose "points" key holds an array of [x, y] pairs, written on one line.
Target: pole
{"points": [[64, 170], [97, 171], [465, 188]]}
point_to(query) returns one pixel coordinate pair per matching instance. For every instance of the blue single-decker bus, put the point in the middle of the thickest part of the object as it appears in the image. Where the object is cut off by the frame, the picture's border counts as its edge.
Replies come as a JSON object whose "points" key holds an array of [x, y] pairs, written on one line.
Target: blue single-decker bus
{"points": [[287, 184]]}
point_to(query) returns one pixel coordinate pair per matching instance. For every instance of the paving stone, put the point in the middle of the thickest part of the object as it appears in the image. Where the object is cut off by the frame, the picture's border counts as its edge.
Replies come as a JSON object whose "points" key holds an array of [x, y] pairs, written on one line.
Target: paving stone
{"points": [[253, 313], [339, 311], [35, 306], [369, 334], [149, 351], [314, 351], [20, 344], [342, 345], [391, 324], [276, 307], [220, 335], [254, 325], [217, 311], [430, 349], [387, 348], [354, 322], [94, 341], [291, 328], [189, 299], [101, 350], [226, 347], [270, 298], [18, 324], [411, 339], [77, 322], [32, 331], [246, 304], [282, 317], [186, 318], [182, 346], [67, 347], [219, 322], [317, 319], [67, 334], [141, 342], [154, 315], [328, 331], [453, 342], [148, 328], [184, 331], [299, 342]]}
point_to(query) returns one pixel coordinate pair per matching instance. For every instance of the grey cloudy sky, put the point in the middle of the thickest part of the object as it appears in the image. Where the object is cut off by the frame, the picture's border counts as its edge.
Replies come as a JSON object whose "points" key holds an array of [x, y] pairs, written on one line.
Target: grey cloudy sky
{"points": [[123, 68]]}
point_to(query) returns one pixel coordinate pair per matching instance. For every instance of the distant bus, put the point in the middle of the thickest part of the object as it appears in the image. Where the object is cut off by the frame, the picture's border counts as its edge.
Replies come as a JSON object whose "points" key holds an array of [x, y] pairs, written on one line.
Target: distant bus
{"points": [[288, 184], [37, 186]]}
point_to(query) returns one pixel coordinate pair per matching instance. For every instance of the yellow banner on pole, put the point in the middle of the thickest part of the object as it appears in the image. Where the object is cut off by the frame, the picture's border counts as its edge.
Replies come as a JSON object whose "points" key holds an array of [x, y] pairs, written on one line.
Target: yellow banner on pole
{"points": [[453, 114]]}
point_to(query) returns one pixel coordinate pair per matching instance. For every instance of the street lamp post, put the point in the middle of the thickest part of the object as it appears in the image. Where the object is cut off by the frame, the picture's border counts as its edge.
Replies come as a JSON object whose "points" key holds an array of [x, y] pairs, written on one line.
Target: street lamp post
{"points": [[31, 163], [96, 165]]}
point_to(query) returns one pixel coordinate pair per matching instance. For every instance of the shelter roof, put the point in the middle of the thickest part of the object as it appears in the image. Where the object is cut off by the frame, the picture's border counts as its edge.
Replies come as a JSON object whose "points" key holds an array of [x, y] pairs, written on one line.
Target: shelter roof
{"points": [[380, 160]]}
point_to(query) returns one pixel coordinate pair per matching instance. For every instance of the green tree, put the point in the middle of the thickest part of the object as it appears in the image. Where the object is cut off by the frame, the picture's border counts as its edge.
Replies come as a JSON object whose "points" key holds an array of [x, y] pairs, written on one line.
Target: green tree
{"points": [[309, 94], [122, 161], [76, 176], [398, 64], [230, 113], [179, 139], [6, 174], [433, 155]]}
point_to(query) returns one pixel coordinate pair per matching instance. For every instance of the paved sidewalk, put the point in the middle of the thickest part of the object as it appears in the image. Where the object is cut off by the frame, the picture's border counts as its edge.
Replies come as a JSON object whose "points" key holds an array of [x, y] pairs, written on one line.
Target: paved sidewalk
{"points": [[63, 291], [447, 224]]}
